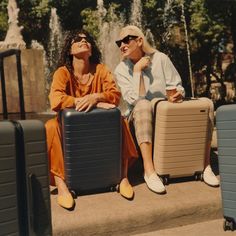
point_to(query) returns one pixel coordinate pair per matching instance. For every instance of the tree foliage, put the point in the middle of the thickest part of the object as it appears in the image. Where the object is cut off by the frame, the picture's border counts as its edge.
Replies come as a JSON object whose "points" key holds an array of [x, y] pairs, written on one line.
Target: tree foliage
{"points": [[34, 17], [69, 12], [3, 19], [210, 25]]}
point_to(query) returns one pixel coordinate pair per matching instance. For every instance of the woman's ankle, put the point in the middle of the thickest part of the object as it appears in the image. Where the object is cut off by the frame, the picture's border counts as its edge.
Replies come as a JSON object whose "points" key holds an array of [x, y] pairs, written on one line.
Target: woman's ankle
{"points": [[149, 171], [61, 186], [124, 181]]}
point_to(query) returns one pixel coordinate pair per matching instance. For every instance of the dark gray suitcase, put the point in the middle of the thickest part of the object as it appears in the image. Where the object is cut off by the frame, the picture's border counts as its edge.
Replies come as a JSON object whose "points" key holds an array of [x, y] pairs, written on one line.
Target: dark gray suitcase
{"points": [[31, 138], [30, 204], [226, 139], [9, 211], [92, 149]]}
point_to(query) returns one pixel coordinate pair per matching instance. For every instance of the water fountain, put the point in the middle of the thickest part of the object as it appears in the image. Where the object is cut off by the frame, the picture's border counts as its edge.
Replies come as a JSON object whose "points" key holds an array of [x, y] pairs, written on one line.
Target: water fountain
{"points": [[101, 11], [110, 30], [136, 13], [13, 38], [31, 64], [136, 19], [55, 41], [108, 35], [166, 21]]}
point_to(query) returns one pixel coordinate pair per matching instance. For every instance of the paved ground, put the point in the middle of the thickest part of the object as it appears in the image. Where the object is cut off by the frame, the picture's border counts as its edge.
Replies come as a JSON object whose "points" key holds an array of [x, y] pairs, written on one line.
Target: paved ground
{"points": [[187, 202], [110, 214], [206, 228]]}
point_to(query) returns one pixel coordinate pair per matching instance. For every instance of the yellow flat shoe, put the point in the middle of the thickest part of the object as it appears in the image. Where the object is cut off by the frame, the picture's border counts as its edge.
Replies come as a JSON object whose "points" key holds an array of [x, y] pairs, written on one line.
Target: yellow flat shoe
{"points": [[66, 201], [126, 190]]}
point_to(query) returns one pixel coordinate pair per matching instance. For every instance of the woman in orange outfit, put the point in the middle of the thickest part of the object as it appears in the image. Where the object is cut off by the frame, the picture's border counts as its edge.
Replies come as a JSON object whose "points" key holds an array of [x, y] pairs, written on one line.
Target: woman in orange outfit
{"points": [[80, 81]]}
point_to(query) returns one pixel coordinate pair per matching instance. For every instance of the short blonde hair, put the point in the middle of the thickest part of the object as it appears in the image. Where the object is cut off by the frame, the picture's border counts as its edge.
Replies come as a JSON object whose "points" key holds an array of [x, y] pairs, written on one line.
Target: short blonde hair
{"points": [[134, 30]]}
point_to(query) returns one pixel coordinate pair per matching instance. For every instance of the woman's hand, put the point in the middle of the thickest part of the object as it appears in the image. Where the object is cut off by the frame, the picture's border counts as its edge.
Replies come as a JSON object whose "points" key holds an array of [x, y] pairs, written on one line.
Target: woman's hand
{"points": [[143, 63], [86, 103], [177, 97], [105, 105]]}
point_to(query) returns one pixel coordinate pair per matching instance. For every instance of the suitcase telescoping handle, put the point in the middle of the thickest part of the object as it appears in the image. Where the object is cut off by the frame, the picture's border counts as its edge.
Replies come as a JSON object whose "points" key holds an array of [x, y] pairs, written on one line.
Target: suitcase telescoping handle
{"points": [[31, 210], [4, 54]]}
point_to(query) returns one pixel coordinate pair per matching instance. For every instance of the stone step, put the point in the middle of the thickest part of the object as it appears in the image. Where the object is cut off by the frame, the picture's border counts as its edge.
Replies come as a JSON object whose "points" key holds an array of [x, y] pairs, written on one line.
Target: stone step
{"points": [[187, 202]]}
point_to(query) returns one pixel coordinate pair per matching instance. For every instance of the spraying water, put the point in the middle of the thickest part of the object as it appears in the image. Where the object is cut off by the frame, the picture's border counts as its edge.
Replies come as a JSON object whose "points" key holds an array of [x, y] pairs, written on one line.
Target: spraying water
{"points": [[166, 21], [136, 19], [56, 39], [109, 33], [136, 13]]}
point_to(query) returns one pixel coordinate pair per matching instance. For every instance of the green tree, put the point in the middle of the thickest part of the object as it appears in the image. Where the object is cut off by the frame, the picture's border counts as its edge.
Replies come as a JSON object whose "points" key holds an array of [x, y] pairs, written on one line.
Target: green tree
{"points": [[70, 11], [207, 30], [164, 20], [34, 17], [224, 12], [114, 10], [3, 19]]}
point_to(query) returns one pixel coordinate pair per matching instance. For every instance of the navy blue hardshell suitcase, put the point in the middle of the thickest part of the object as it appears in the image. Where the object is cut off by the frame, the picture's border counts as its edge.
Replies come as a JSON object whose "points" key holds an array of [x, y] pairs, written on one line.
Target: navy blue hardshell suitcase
{"points": [[226, 139], [92, 149], [24, 179]]}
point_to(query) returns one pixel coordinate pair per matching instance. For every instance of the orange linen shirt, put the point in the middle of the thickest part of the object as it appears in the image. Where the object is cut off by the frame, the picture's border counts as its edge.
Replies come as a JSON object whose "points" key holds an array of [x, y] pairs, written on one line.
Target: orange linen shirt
{"points": [[65, 88]]}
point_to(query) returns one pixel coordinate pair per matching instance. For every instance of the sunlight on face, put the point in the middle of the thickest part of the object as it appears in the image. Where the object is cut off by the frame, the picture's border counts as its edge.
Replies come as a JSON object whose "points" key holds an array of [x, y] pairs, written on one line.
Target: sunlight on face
{"points": [[81, 46], [129, 47]]}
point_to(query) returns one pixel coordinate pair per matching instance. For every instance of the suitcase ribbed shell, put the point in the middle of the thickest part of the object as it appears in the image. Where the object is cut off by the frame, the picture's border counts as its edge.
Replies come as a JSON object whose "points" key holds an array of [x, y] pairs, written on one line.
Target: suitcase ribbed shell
{"points": [[226, 139], [180, 137], [92, 148]]}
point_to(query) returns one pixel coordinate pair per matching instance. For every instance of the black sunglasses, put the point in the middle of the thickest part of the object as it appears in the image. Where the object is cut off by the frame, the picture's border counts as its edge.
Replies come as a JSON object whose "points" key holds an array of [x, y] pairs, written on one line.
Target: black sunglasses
{"points": [[125, 40], [79, 39]]}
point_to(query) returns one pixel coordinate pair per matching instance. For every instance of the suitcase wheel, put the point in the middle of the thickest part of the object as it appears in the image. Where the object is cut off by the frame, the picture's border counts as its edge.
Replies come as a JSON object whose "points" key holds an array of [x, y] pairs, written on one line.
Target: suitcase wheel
{"points": [[114, 188], [228, 225], [165, 179], [73, 193], [198, 176]]}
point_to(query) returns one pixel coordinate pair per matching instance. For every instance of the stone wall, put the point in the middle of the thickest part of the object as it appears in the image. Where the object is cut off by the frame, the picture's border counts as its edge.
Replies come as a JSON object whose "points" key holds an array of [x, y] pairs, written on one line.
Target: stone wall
{"points": [[33, 81]]}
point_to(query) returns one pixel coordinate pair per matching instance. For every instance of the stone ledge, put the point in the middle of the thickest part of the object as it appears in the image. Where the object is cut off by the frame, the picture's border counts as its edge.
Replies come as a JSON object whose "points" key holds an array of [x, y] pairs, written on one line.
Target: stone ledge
{"points": [[186, 202]]}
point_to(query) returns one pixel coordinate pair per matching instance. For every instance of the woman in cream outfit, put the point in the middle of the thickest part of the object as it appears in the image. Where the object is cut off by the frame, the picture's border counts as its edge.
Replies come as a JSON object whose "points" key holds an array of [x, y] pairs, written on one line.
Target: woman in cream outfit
{"points": [[143, 74]]}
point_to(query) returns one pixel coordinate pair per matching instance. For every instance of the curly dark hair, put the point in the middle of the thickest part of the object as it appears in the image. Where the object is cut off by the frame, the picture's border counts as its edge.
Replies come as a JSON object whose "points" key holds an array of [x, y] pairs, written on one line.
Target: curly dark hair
{"points": [[66, 58]]}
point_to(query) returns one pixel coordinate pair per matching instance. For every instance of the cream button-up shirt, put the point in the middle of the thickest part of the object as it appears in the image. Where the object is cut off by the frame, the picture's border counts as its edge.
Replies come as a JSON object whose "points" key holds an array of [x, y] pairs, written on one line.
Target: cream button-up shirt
{"points": [[160, 74]]}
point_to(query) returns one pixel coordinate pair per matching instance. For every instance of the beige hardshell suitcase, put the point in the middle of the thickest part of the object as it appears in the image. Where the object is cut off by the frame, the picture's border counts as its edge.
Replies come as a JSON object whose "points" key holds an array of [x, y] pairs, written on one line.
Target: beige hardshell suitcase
{"points": [[180, 138]]}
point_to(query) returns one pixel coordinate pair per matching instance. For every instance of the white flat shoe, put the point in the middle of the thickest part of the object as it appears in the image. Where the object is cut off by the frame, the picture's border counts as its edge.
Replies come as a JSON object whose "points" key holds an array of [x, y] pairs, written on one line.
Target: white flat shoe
{"points": [[210, 178], [154, 183]]}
